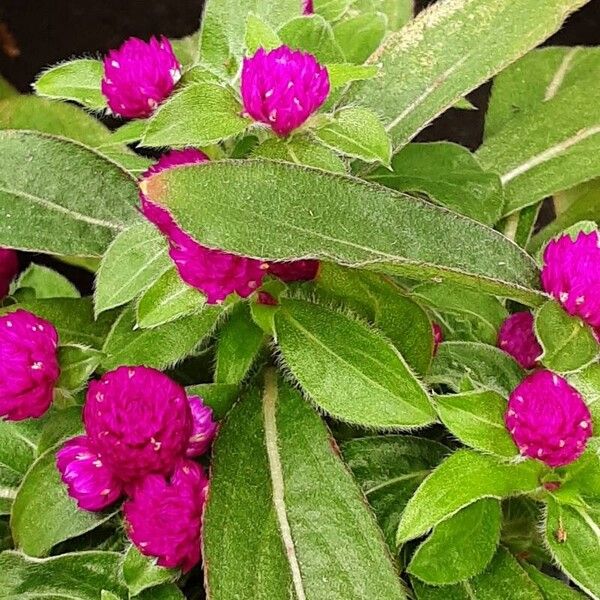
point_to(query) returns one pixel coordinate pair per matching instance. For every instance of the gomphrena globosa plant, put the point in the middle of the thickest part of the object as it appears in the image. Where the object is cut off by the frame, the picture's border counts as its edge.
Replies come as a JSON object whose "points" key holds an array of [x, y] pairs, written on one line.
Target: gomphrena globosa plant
{"points": [[321, 361]]}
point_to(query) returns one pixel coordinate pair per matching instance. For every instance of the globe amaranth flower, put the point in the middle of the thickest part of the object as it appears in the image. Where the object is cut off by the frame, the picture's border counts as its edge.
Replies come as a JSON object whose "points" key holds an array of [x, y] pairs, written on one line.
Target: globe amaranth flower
{"points": [[139, 420], [438, 337], [548, 419], [283, 88], [28, 365], [9, 267], [89, 481], [139, 76], [308, 7], [163, 516], [215, 273], [204, 427], [295, 270], [571, 273], [517, 338]]}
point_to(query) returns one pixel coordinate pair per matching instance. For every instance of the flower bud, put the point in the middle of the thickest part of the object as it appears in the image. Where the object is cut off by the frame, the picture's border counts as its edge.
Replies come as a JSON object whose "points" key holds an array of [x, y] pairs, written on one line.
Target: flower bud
{"points": [[90, 482], [139, 76], [517, 338], [283, 88], [28, 365], [215, 273], [9, 267], [548, 419], [164, 515], [438, 337], [571, 273], [204, 427], [139, 421]]}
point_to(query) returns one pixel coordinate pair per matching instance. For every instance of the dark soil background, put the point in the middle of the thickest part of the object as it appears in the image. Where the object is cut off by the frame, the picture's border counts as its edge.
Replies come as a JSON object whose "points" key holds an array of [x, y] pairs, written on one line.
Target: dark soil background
{"points": [[38, 33]]}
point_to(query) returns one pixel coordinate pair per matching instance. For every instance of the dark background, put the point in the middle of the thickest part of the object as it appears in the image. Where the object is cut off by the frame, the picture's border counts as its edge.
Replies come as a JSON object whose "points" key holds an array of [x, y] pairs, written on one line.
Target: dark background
{"points": [[38, 33]]}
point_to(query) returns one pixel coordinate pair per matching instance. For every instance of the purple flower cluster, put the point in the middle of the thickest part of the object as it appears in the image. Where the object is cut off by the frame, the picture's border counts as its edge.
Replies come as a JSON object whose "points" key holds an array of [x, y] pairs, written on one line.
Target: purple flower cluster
{"points": [[9, 267], [141, 431]]}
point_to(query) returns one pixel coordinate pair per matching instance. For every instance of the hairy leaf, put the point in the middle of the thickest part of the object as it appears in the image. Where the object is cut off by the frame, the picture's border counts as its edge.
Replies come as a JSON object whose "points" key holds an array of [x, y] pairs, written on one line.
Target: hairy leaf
{"points": [[141, 572], [359, 36], [46, 283], [312, 34]]}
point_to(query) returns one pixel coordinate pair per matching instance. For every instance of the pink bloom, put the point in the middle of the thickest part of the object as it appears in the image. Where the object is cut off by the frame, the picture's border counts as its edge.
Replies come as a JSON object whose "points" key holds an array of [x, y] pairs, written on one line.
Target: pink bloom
{"points": [[295, 270], [517, 338], [28, 365], [283, 88], [215, 273], [139, 76], [9, 267], [90, 482], [438, 337], [164, 515], [139, 421], [548, 419], [571, 274], [308, 7], [204, 428]]}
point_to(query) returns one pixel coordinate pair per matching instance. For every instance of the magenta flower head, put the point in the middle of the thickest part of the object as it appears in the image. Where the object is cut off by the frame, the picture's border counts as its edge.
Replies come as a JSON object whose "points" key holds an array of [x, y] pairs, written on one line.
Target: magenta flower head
{"points": [[28, 365], [139, 421], [548, 419], [571, 273], [283, 88], [295, 270], [9, 267], [204, 427], [517, 338], [215, 273], [438, 337], [308, 7], [139, 76], [89, 481], [164, 515]]}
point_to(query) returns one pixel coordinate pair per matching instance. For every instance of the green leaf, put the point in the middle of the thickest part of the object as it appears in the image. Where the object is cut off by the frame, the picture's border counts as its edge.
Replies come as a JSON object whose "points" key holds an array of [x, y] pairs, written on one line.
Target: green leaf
{"points": [[484, 366], [398, 12], [341, 74], [200, 115], [167, 591], [18, 444], [448, 51], [460, 547], [69, 200], [573, 536], [239, 343], [73, 319], [46, 283], [551, 588], [534, 79], [78, 80], [167, 299], [331, 10], [59, 425], [135, 260], [360, 36], [6, 89], [460, 480], [219, 396], [77, 363], [521, 533], [504, 579], [289, 211], [312, 34], [568, 343], [129, 133], [302, 151], [450, 175], [477, 420], [348, 369], [76, 576], [357, 132], [389, 469], [43, 514], [160, 347], [186, 49], [380, 301], [587, 381], [140, 572], [465, 315], [259, 35], [224, 26], [274, 465]]}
